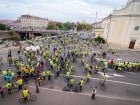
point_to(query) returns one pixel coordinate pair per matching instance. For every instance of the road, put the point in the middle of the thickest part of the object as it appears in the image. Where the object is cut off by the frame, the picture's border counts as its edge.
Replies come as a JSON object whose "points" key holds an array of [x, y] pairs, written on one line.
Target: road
{"points": [[122, 88], [51, 97]]}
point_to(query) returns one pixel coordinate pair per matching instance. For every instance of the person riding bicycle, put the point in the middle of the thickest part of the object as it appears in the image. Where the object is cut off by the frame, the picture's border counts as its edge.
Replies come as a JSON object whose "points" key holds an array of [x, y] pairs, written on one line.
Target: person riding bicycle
{"points": [[81, 84], [25, 94], [96, 68], [49, 75], [9, 53], [1, 91], [88, 76], [9, 87], [8, 78], [19, 83], [104, 79]]}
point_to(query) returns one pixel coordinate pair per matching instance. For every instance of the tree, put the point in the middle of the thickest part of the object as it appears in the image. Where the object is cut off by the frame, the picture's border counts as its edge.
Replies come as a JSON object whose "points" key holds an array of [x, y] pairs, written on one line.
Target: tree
{"points": [[52, 25], [99, 39], [4, 27], [69, 26], [12, 35], [84, 27], [61, 26]]}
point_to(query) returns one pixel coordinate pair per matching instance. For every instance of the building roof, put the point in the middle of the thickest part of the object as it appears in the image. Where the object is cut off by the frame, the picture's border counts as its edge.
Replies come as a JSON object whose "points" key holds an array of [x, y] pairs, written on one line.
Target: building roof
{"points": [[123, 14], [33, 17]]}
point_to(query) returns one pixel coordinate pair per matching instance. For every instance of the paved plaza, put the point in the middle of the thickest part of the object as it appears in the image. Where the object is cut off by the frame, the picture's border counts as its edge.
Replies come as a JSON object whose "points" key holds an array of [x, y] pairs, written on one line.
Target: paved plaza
{"points": [[122, 88]]}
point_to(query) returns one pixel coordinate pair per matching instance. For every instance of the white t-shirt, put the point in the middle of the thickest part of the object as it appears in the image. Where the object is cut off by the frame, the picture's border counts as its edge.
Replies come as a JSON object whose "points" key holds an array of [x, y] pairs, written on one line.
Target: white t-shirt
{"points": [[94, 91]]}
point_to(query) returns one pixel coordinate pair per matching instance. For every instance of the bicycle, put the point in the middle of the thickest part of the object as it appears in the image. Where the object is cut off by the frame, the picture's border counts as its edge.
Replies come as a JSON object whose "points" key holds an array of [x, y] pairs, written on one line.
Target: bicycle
{"points": [[1, 61], [102, 85], [32, 98], [10, 61]]}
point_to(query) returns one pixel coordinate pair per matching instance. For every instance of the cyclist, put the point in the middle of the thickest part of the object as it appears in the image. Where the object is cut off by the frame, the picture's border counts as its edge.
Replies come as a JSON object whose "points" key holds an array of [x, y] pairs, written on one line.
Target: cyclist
{"points": [[68, 75], [88, 76], [20, 83], [38, 81], [25, 94], [81, 84], [8, 78], [71, 83], [9, 87], [43, 75], [104, 79], [1, 92], [9, 53], [49, 74], [96, 68]]}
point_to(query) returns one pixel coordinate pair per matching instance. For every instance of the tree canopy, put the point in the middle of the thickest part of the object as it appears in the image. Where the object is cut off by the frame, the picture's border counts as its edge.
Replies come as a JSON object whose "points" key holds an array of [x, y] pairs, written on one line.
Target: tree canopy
{"points": [[60, 25], [4, 27], [84, 27]]}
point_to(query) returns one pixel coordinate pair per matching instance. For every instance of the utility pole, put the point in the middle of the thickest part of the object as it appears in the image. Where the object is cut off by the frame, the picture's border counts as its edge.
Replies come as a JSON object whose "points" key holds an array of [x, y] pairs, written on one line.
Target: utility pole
{"points": [[96, 20]]}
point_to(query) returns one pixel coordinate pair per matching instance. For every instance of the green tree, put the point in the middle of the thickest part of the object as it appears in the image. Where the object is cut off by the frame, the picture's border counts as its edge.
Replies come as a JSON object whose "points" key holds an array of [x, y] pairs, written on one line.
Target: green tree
{"points": [[100, 39], [4, 27], [52, 25], [69, 26], [84, 27], [11, 33], [60, 25]]}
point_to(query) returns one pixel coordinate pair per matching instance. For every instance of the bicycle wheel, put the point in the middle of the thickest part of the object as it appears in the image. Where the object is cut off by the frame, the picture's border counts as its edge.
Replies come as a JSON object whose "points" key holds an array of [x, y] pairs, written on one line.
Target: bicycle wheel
{"points": [[21, 100], [15, 89], [33, 98], [103, 86]]}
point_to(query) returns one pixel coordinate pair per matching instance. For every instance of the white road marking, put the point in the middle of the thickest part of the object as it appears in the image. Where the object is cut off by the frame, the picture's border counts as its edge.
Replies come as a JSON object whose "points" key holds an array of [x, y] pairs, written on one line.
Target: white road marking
{"points": [[108, 76], [130, 73], [87, 94], [117, 75], [127, 83]]}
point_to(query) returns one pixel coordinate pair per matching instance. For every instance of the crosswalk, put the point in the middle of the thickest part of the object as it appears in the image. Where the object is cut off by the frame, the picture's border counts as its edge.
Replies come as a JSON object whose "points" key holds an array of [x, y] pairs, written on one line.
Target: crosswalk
{"points": [[110, 75]]}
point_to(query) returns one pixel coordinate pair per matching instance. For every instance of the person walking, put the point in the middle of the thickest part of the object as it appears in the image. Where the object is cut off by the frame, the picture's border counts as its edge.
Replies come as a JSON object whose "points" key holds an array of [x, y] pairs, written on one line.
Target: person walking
{"points": [[94, 91]]}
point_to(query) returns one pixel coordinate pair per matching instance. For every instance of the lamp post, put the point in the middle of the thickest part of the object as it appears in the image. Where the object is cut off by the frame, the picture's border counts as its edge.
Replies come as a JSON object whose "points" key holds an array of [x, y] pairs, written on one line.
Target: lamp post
{"points": [[96, 20]]}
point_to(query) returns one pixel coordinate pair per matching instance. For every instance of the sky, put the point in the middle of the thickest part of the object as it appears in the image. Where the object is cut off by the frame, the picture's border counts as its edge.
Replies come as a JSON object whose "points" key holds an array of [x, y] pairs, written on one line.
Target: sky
{"points": [[60, 10]]}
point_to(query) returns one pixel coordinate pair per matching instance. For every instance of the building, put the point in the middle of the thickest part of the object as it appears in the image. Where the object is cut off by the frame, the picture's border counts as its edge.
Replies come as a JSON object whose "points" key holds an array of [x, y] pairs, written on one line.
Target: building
{"points": [[122, 27], [31, 22], [98, 29]]}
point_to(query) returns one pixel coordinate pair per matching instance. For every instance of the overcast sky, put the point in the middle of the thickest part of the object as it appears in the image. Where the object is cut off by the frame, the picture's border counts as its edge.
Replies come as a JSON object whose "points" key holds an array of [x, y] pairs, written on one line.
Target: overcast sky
{"points": [[60, 10]]}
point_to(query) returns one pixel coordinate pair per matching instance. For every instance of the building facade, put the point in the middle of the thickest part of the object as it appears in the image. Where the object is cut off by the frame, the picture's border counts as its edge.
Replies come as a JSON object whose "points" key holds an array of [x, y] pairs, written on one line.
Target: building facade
{"points": [[32, 22], [98, 29], [122, 27]]}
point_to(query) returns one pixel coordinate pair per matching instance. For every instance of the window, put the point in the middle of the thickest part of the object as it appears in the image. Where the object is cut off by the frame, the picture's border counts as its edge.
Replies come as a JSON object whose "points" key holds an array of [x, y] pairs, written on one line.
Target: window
{"points": [[137, 28]]}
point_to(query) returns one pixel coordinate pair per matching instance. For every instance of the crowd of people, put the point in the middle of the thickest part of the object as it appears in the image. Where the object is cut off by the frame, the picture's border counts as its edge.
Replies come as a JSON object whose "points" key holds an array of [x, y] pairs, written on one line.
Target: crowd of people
{"points": [[57, 59]]}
